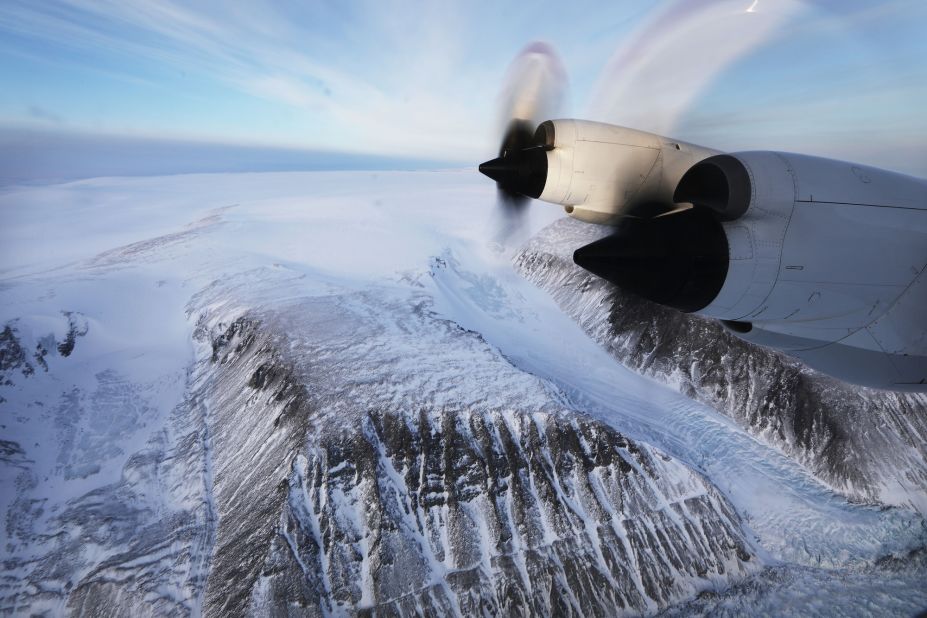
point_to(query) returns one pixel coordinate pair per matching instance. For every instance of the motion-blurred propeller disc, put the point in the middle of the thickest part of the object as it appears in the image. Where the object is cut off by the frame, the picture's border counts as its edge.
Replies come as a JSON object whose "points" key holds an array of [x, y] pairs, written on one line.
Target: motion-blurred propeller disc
{"points": [[533, 92]]}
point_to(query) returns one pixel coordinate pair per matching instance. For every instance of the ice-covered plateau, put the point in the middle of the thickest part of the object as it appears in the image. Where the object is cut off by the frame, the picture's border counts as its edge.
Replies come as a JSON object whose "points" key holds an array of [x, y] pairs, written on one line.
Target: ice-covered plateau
{"points": [[327, 393]]}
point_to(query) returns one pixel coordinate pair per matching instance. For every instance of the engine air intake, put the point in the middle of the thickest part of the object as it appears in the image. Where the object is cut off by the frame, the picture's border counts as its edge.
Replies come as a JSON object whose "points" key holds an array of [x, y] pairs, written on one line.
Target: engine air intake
{"points": [[720, 183]]}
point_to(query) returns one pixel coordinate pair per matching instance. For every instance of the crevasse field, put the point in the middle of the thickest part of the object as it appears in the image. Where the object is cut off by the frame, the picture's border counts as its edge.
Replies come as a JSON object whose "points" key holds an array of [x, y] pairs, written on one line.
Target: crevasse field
{"points": [[200, 381]]}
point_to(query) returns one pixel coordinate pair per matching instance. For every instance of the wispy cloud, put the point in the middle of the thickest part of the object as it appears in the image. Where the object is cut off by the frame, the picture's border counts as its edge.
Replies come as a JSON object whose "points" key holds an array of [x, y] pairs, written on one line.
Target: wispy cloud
{"points": [[655, 75], [390, 90], [40, 113], [842, 79], [422, 78]]}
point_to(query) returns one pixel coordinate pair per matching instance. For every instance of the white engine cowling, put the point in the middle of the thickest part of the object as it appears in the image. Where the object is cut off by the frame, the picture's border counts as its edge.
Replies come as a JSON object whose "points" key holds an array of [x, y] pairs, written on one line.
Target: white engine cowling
{"points": [[826, 261], [599, 171], [812, 221]]}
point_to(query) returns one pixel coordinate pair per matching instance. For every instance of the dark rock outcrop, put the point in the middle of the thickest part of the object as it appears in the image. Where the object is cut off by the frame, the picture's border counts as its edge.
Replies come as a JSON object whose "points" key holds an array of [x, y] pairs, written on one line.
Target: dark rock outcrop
{"points": [[331, 497]]}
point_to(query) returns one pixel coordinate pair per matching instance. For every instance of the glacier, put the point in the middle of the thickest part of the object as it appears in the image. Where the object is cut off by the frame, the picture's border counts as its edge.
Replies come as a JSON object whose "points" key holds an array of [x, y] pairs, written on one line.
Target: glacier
{"points": [[331, 393]]}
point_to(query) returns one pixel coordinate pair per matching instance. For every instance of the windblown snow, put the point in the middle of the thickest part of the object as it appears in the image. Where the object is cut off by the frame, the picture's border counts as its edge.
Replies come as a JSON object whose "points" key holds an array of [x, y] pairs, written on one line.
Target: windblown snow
{"points": [[333, 392]]}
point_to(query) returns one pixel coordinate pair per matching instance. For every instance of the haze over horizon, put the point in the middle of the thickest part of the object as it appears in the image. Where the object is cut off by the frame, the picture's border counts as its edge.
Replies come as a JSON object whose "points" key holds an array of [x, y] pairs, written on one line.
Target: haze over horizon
{"points": [[840, 79]]}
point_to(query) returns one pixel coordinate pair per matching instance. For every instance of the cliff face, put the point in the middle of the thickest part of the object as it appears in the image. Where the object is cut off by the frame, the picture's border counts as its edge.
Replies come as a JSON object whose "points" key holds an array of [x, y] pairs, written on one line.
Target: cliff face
{"points": [[339, 487], [869, 445], [513, 513]]}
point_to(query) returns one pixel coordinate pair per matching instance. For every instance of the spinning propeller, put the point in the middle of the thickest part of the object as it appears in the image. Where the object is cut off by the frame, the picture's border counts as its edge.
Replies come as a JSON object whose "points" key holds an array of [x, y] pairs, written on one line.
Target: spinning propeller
{"points": [[534, 88]]}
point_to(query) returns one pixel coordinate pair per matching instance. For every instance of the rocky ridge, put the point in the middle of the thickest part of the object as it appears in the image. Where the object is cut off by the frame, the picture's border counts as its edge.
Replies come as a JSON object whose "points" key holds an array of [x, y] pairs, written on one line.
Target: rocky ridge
{"points": [[869, 445], [331, 497]]}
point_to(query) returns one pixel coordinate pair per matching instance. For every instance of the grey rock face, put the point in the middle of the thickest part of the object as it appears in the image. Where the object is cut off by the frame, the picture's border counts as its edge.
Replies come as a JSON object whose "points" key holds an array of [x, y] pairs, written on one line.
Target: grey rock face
{"points": [[340, 488], [498, 513], [77, 327], [258, 418], [870, 445], [12, 356]]}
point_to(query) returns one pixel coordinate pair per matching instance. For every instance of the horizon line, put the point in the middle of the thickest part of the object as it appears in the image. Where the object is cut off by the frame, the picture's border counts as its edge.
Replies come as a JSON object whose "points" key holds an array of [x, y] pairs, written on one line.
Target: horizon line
{"points": [[32, 155]]}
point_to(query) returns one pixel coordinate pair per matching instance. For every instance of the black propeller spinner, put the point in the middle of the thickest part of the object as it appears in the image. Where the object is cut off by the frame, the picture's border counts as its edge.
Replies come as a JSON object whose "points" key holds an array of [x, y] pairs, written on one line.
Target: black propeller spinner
{"points": [[520, 170]]}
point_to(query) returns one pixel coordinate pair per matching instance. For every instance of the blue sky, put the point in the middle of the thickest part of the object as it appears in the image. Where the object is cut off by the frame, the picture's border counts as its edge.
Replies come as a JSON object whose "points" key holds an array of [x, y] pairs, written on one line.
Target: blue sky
{"points": [[421, 79]]}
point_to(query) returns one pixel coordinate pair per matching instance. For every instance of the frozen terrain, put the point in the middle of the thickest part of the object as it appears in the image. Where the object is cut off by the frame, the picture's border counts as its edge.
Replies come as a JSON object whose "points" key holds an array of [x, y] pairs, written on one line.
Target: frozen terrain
{"points": [[325, 392], [869, 445]]}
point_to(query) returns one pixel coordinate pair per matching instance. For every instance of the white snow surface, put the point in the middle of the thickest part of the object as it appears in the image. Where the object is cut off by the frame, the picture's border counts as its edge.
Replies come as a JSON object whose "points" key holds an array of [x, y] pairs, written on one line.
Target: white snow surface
{"points": [[119, 259]]}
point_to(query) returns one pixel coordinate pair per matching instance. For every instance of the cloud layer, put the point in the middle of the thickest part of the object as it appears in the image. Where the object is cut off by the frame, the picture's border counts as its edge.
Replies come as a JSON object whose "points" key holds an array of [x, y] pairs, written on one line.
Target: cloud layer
{"points": [[423, 79]]}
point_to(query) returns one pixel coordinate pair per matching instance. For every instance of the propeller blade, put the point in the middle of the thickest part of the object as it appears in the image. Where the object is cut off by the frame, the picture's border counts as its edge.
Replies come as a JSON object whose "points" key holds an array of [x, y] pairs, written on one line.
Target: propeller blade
{"points": [[533, 91]]}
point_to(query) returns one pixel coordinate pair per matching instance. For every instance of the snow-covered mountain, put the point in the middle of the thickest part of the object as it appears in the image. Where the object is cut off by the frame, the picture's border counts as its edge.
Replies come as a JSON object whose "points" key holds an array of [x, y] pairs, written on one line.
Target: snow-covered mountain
{"points": [[386, 484], [326, 393], [869, 445]]}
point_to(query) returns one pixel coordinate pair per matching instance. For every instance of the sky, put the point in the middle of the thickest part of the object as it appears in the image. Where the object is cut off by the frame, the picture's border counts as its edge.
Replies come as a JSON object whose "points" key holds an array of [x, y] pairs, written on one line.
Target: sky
{"points": [[421, 80]]}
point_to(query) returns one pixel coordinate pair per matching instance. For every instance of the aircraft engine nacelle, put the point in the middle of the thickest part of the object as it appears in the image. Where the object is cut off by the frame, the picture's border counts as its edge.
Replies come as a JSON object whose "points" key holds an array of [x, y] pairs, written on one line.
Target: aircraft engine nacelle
{"points": [[822, 259], [810, 239], [601, 172]]}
